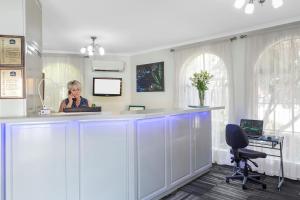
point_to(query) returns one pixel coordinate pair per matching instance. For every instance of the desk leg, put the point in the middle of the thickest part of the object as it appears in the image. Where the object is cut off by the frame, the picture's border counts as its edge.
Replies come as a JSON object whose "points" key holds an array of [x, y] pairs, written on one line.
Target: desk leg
{"points": [[281, 179]]}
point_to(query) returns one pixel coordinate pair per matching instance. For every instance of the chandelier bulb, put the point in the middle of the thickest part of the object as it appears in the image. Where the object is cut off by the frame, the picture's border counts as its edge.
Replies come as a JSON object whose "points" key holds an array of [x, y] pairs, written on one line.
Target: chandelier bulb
{"points": [[101, 51], [239, 3], [90, 48], [83, 50], [277, 3], [249, 9]]}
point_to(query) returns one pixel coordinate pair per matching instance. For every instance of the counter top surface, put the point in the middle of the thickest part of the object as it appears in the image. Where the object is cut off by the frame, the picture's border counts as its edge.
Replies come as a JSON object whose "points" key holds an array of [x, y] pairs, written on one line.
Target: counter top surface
{"points": [[126, 115]]}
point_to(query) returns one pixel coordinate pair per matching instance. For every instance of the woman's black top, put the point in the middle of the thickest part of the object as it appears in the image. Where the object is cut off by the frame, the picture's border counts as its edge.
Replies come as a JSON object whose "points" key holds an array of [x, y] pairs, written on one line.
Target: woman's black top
{"points": [[83, 103]]}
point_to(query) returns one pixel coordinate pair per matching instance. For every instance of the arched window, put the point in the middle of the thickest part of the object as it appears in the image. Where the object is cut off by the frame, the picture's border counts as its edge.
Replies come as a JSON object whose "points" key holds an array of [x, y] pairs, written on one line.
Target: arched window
{"points": [[218, 88], [216, 95], [277, 93], [278, 87]]}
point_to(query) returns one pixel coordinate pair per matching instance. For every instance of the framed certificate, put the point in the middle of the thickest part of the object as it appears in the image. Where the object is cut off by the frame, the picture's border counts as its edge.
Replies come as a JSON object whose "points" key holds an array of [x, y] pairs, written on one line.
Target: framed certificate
{"points": [[12, 83], [11, 51]]}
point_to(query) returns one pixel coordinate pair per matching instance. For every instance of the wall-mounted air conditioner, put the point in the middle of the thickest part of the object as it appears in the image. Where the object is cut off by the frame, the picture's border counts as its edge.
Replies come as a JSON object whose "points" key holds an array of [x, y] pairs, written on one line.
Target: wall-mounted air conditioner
{"points": [[108, 66]]}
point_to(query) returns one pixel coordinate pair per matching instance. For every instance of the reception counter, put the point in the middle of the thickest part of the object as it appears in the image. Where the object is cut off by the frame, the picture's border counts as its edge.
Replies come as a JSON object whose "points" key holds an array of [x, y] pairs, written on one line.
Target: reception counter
{"points": [[129, 156]]}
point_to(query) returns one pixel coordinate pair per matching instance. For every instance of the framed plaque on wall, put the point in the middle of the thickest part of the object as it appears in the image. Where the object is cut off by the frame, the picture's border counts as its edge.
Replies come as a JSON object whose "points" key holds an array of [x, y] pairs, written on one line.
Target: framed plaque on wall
{"points": [[12, 83], [11, 51]]}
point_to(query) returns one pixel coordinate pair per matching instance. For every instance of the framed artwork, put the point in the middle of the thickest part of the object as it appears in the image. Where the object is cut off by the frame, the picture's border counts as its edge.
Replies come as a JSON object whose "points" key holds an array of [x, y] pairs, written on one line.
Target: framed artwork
{"points": [[12, 83], [11, 51], [150, 77]]}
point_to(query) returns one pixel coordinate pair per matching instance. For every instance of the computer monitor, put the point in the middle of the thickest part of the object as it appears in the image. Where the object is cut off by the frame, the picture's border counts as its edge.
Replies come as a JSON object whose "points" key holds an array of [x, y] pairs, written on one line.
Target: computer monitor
{"points": [[252, 127], [107, 86]]}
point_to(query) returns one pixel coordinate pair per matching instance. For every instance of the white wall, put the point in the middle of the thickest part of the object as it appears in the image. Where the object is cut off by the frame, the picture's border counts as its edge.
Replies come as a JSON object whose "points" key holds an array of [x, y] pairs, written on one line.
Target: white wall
{"points": [[113, 104], [12, 23], [154, 99], [12, 17], [129, 94], [84, 66]]}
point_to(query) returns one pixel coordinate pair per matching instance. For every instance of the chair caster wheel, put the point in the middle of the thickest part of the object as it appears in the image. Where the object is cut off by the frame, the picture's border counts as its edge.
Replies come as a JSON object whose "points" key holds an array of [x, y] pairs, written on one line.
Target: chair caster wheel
{"points": [[227, 180], [244, 187], [264, 186]]}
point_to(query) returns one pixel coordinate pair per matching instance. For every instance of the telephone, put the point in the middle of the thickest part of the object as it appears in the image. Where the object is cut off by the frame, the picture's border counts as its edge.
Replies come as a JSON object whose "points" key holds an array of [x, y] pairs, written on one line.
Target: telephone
{"points": [[69, 92]]}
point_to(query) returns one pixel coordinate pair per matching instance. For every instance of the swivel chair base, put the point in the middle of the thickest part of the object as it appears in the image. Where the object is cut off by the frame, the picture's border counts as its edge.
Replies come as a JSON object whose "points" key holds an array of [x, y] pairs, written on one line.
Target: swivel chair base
{"points": [[238, 141], [245, 176]]}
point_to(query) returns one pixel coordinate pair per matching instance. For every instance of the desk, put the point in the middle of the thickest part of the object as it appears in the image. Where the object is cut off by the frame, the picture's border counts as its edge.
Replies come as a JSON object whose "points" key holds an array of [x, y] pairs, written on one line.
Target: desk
{"points": [[271, 142], [119, 148]]}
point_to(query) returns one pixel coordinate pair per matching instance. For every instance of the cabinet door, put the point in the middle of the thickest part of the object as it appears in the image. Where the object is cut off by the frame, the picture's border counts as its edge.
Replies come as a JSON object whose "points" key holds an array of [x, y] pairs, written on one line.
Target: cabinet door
{"points": [[151, 156], [36, 161], [104, 160], [1, 162], [201, 129], [180, 144]]}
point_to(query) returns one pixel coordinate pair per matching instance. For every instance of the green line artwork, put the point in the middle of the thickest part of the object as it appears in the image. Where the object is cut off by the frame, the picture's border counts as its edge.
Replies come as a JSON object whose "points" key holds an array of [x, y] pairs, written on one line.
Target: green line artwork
{"points": [[150, 77]]}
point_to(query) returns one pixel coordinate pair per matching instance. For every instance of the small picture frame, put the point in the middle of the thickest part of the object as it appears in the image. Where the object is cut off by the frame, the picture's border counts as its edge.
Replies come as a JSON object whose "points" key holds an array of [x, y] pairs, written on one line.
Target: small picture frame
{"points": [[11, 51], [12, 83]]}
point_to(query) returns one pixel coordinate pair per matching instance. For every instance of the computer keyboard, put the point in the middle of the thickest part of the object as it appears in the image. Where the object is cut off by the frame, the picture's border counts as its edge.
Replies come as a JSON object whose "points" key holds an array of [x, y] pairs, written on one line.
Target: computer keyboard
{"points": [[83, 109], [254, 136]]}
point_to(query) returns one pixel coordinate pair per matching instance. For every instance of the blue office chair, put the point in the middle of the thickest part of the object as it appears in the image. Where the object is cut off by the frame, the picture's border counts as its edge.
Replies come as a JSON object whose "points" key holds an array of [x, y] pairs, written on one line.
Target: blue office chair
{"points": [[237, 139]]}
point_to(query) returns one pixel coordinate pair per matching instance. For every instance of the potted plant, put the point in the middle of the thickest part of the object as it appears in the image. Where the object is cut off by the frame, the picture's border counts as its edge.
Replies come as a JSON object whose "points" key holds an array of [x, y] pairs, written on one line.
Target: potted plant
{"points": [[200, 80]]}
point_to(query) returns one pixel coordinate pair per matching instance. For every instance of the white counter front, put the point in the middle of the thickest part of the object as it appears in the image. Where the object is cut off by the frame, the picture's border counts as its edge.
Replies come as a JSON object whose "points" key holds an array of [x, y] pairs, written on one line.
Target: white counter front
{"points": [[129, 156]]}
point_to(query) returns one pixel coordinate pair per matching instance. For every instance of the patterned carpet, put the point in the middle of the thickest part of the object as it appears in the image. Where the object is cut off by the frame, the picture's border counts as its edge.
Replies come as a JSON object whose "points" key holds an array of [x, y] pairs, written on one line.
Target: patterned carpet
{"points": [[212, 186]]}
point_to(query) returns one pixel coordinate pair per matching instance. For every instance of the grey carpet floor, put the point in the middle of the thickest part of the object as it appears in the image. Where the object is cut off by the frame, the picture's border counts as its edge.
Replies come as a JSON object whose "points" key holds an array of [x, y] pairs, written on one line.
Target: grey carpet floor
{"points": [[212, 186]]}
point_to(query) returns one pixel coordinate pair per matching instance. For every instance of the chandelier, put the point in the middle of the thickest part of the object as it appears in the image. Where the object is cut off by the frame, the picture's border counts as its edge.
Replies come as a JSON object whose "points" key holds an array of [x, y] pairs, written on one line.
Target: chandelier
{"points": [[249, 8], [91, 49]]}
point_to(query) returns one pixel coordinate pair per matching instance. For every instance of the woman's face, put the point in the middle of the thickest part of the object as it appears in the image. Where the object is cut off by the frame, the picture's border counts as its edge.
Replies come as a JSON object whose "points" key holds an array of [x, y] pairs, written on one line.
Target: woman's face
{"points": [[75, 91]]}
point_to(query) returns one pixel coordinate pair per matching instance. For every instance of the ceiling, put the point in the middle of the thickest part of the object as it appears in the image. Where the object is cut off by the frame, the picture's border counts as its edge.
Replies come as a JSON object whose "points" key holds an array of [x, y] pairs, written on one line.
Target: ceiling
{"points": [[133, 26]]}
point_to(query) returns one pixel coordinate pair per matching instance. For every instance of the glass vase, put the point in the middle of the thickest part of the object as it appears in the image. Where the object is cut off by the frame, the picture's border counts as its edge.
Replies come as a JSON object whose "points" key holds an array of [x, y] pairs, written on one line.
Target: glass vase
{"points": [[201, 97]]}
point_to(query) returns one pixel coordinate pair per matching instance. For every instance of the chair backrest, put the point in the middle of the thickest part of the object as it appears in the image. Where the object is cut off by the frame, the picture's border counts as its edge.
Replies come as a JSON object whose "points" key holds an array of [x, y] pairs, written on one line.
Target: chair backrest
{"points": [[236, 137]]}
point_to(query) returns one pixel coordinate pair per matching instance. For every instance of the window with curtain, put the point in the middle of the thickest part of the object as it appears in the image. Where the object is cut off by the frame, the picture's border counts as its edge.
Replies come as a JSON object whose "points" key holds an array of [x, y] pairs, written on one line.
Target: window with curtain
{"points": [[216, 95], [278, 94]]}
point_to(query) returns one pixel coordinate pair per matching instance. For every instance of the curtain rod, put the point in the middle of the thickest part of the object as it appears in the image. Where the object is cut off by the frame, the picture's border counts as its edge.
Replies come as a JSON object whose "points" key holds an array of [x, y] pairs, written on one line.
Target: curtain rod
{"points": [[240, 35]]}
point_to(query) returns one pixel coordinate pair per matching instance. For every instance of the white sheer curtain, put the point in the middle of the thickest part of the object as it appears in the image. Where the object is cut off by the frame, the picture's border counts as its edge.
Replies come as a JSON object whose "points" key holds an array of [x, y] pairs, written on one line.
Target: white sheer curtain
{"points": [[262, 81], [273, 82], [59, 70], [216, 59]]}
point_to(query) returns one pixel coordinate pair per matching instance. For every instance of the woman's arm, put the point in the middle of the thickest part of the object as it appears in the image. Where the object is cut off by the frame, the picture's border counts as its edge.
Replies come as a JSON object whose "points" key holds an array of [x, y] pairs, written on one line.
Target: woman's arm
{"points": [[62, 106], [70, 98]]}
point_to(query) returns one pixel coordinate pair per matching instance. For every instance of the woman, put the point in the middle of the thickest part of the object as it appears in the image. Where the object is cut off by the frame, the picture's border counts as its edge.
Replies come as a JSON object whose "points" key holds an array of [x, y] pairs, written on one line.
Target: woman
{"points": [[74, 99]]}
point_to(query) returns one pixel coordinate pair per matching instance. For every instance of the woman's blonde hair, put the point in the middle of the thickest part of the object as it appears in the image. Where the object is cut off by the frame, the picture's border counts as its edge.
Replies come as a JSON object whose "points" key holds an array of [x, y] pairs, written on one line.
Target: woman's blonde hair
{"points": [[73, 83]]}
